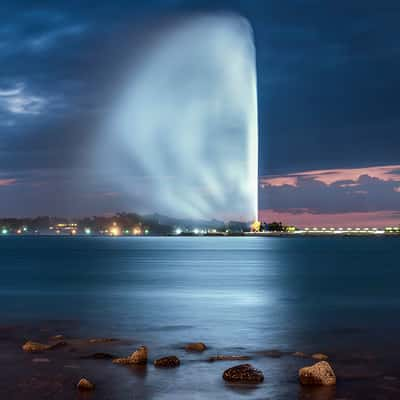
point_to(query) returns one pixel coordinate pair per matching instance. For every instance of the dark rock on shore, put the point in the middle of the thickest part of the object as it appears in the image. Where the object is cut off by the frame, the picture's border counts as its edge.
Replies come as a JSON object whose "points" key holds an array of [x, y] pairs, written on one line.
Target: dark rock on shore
{"points": [[34, 347], [320, 373], [198, 346], [167, 362], [244, 373], [57, 345], [102, 340], [320, 356], [85, 384], [99, 356], [137, 357], [227, 358], [299, 354]]}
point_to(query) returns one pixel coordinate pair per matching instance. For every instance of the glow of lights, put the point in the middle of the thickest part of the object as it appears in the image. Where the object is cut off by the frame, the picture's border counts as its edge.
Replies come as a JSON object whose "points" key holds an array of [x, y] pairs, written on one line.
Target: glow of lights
{"points": [[178, 231], [136, 231], [24, 228], [146, 231], [88, 231], [4, 231], [73, 232], [115, 230], [196, 231]]}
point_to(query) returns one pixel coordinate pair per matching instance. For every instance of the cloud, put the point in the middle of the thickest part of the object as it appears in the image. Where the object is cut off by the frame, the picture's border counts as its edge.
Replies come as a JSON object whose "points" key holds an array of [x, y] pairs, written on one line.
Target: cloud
{"points": [[48, 39], [7, 182], [17, 100], [372, 189], [329, 176], [344, 220]]}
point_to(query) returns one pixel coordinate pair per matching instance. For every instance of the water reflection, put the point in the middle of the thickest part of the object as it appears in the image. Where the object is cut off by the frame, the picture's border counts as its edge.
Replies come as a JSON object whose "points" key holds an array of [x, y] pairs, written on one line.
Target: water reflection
{"points": [[238, 295]]}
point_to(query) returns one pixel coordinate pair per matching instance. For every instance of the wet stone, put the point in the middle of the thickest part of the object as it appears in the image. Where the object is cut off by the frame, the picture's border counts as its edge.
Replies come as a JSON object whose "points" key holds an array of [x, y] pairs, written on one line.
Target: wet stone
{"points": [[320, 373], [85, 384], [244, 373], [320, 357], [99, 356], [137, 357], [198, 346], [34, 347], [167, 362]]}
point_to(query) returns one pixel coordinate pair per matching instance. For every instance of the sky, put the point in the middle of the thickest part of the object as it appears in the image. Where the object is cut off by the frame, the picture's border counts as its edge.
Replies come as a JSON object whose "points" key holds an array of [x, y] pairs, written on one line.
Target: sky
{"points": [[328, 98]]}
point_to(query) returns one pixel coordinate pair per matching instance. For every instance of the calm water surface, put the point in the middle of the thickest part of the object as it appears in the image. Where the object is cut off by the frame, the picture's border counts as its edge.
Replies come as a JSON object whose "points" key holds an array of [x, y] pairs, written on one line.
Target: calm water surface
{"points": [[340, 296]]}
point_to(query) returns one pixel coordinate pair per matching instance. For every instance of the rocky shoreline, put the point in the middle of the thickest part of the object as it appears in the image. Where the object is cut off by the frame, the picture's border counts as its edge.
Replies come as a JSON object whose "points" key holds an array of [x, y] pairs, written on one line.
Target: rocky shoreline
{"points": [[56, 366], [320, 373]]}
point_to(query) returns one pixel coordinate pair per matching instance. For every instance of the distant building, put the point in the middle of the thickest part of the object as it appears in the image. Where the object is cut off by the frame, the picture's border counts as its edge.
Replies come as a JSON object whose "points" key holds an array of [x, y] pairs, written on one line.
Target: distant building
{"points": [[64, 229]]}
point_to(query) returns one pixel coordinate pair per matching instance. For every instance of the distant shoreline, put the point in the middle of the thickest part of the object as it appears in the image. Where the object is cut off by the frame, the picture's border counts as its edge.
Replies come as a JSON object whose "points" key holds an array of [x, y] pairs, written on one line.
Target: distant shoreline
{"points": [[225, 235]]}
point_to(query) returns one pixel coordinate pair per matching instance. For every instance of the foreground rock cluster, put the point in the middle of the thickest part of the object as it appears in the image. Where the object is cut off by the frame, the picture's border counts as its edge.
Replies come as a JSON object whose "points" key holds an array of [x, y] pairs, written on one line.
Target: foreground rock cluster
{"points": [[318, 374]]}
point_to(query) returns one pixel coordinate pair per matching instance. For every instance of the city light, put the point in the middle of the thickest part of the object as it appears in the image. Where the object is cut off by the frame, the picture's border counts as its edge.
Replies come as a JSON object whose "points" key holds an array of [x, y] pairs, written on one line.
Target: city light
{"points": [[88, 231], [178, 231], [137, 230], [115, 230], [4, 231]]}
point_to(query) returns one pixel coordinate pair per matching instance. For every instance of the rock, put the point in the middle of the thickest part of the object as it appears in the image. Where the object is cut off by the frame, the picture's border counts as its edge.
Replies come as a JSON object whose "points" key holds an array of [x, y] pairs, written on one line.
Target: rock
{"points": [[271, 353], [61, 343], [227, 358], [102, 340], [137, 357], [167, 362], [99, 356], [198, 346], [299, 354], [34, 347], [244, 373], [85, 384], [320, 373], [57, 337], [320, 356]]}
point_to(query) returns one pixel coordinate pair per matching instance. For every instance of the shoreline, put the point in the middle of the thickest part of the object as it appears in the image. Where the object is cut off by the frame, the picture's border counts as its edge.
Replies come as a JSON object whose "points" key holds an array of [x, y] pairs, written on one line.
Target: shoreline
{"points": [[54, 372], [215, 235]]}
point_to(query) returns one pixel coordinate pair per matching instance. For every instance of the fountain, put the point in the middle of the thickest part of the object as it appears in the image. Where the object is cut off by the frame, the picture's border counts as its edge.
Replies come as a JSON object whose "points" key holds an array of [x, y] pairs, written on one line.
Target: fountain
{"points": [[184, 132]]}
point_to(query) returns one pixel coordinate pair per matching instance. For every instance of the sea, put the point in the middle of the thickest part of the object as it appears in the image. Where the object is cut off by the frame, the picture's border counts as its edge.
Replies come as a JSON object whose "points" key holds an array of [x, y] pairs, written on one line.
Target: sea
{"points": [[264, 298]]}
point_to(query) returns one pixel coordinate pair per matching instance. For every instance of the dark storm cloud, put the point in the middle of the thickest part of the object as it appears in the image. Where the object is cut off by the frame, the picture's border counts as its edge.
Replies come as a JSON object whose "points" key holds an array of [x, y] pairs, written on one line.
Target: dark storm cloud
{"points": [[327, 80]]}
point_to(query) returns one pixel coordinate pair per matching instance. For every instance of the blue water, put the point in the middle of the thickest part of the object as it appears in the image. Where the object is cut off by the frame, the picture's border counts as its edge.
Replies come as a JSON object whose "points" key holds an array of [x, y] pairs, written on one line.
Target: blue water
{"points": [[242, 295]]}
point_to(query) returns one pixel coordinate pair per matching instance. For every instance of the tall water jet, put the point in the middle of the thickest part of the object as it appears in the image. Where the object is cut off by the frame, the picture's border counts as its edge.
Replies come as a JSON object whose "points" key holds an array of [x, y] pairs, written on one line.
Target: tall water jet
{"points": [[184, 134]]}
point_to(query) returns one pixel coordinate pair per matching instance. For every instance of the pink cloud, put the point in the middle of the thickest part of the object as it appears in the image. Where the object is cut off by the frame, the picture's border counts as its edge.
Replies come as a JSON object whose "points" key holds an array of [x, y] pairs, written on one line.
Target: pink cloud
{"points": [[304, 218], [7, 182], [329, 176]]}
